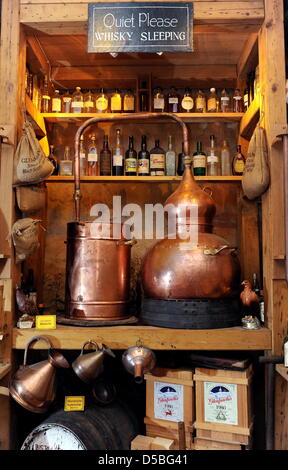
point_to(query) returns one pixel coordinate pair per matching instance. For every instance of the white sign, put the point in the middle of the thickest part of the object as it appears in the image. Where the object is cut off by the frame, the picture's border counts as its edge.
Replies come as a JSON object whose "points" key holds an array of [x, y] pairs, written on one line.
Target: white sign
{"points": [[220, 403], [168, 401]]}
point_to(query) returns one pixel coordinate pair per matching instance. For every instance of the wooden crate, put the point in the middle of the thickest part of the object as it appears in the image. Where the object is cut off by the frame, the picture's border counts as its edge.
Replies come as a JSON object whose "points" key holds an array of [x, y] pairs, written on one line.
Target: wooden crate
{"points": [[168, 433], [206, 444], [150, 443], [223, 405]]}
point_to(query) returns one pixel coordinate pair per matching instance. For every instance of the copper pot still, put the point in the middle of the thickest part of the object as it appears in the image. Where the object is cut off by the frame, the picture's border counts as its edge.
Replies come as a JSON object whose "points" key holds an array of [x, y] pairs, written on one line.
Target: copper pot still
{"points": [[202, 266]]}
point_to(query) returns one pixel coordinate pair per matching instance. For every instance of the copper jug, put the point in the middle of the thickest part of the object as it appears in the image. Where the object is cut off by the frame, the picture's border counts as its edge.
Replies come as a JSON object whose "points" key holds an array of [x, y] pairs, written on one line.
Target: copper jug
{"points": [[90, 365], [34, 386], [138, 360]]}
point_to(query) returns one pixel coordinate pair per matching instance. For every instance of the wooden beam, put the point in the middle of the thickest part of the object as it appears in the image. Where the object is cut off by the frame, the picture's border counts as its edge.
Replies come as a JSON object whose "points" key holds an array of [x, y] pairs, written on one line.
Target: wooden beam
{"points": [[250, 120], [34, 44], [249, 57]]}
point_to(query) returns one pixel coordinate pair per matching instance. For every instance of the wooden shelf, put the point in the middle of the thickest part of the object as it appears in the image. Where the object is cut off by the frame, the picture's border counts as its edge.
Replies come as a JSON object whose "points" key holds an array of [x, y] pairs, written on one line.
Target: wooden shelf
{"points": [[282, 370], [250, 119], [187, 117], [143, 179], [4, 370], [123, 337]]}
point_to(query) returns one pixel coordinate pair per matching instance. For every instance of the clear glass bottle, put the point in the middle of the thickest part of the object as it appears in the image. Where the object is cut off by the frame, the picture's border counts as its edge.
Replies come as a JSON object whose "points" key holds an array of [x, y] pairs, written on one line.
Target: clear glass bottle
{"points": [[56, 102], [180, 164], [89, 102], [187, 103], [53, 160], [129, 102], [105, 158], [77, 104], [92, 157], [66, 102], [143, 159], [199, 161], [212, 101], [225, 101], [66, 165], [117, 156], [212, 159], [158, 101], [157, 160], [102, 102], [200, 106], [237, 102], [46, 98], [238, 163], [170, 159], [225, 160], [116, 102], [82, 155], [173, 101], [131, 159]]}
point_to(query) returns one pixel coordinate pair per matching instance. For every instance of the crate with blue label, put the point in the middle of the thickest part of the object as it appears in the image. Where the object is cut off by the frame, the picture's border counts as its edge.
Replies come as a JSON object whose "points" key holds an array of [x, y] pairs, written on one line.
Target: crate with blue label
{"points": [[224, 405], [169, 400]]}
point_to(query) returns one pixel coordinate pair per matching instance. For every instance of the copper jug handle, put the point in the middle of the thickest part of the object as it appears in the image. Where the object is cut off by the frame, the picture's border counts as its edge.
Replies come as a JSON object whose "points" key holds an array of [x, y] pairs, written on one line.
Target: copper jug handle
{"points": [[90, 341], [35, 338], [211, 192], [215, 251], [127, 243]]}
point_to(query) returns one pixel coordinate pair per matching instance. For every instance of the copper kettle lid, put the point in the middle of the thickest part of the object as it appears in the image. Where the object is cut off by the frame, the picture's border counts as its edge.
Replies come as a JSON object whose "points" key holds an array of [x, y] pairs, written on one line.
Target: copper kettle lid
{"points": [[192, 205]]}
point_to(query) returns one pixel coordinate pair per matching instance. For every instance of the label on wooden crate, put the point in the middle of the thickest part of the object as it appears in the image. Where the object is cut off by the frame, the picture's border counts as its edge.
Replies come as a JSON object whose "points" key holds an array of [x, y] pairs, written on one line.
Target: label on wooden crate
{"points": [[46, 322], [220, 403], [168, 401], [74, 404]]}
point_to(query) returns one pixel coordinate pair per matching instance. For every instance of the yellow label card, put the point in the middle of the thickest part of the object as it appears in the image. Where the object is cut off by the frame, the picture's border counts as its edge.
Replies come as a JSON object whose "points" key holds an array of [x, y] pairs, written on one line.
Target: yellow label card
{"points": [[74, 404], [46, 322]]}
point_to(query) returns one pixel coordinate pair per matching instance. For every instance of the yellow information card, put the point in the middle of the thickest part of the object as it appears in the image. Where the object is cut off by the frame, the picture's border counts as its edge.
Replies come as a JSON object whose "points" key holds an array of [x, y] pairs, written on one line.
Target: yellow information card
{"points": [[74, 404], [46, 322]]}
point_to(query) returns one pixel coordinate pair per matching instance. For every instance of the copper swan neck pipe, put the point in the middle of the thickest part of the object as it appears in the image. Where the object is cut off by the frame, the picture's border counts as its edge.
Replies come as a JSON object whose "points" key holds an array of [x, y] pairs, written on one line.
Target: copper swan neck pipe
{"points": [[124, 117]]}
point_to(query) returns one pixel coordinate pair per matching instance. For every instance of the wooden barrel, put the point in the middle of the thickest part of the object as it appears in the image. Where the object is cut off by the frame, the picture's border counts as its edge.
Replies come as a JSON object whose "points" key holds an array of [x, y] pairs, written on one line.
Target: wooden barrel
{"points": [[112, 427]]}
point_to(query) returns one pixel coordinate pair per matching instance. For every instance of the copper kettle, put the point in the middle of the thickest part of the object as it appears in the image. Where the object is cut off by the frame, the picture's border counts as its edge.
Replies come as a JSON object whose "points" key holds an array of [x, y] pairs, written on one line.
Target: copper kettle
{"points": [[90, 365], [138, 360], [34, 386]]}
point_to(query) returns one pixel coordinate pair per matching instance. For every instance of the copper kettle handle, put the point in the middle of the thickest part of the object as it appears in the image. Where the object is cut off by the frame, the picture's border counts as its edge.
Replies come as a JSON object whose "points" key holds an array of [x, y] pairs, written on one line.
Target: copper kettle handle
{"points": [[215, 251], [35, 338], [204, 189], [89, 342], [127, 243]]}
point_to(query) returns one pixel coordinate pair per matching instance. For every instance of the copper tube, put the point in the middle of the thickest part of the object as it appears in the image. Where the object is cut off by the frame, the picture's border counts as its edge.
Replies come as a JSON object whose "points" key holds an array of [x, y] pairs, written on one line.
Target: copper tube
{"points": [[124, 117]]}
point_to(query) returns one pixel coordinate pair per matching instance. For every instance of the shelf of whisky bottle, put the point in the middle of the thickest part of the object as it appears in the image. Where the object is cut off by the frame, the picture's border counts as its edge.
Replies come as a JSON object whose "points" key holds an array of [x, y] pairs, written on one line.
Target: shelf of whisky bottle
{"points": [[144, 179]]}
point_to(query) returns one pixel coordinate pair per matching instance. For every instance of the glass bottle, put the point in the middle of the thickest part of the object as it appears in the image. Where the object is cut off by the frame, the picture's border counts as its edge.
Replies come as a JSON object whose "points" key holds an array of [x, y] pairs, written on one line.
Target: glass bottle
{"points": [[158, 101], [105, 158], [257, 82], [82, 155], [238, 163], [212, 159], [92, 157], [199, 161], [143, 97], [66, 102], [173, 101], [187, 102], [102, 102], [131, 159], [89, 102], [53, 160], [180, 165], [212, 101], [117, 156], [66, 165], [56, 102], [170, 159], [77, 104], [225, 160], [225, 101], [237, 102], [129, 102], [35, 92], [46, 98], [157, 160], [116, 102], [200, 102], [143, 159]]}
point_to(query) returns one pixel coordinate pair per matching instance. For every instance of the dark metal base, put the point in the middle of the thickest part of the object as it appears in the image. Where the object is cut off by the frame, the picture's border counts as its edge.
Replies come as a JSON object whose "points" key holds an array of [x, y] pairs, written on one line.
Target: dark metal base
{"points": [[191, 314], [79, 322]]}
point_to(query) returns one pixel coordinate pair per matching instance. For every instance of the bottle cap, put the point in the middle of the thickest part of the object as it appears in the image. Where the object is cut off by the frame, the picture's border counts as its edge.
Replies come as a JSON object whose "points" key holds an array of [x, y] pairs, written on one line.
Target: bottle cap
{"points": [[212, 90]]}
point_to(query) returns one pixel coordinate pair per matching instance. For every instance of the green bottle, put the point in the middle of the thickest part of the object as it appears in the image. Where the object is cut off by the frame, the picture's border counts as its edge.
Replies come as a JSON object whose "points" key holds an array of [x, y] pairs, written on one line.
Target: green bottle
{"points": [[199, 161]]}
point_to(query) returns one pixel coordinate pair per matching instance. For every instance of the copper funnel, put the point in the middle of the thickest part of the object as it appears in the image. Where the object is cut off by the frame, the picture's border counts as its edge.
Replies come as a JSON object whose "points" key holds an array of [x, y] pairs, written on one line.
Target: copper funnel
{"points": [[90, 365], [33, 386], [138, 360]]}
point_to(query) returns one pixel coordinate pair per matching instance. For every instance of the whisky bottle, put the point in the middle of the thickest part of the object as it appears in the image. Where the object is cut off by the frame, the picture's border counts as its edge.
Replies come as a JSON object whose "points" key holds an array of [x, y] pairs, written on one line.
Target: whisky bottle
{"points": [[143, 159], [173, 101], [46, 98], [56, 102], [116, 102], [187, 102], [92, 157], [117, 157], [66, 165], [102, 102], [158, 101], [66, 102], [225, 101], [225, 160], [143, 97], [89, 102], [105, 158], [131, 159], [129, 102], [238, 163], [53, 160], [212, 101], [237, 102], [200, 102], [77, 104], [199, 161], [180, 165], [157, 160], [212, 159], [170, 159]]}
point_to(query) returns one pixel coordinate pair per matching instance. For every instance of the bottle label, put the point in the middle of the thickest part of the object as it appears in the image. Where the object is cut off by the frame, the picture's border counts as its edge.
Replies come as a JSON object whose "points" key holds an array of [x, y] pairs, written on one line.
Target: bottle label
{"points": [[130, 165], [200, 103], [129, 103], [157, 173], [102, 103], [117, 160], [212, 104], [158, 103], [46, 97], [173, 100], [225, 99], [239, 165], [88, 104], [82, 155], [92, 157], [199, 161], [105, 165], [262, 312], [157, 160], [67, 99], [212, 159], [77, 104], [116, 103], [187, 103], [143, 166], [237, 98], [56, 105]]}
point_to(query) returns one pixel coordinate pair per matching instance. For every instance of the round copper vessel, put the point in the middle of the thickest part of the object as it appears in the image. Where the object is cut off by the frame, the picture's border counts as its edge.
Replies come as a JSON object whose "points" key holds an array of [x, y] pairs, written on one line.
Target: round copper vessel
{"points": [[200, 266]]}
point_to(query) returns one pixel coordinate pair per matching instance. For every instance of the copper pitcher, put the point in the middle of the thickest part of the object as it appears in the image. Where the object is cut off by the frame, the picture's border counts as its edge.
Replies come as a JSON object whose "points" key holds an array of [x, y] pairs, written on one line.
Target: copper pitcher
{"points": [[34, 386], [138, 360], [90, 365]]}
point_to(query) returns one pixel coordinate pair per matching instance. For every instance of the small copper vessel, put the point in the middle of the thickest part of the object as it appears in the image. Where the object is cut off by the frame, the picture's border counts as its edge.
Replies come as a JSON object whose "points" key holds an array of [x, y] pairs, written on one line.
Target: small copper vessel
{"points": [[138, 360], [34, 386], [90, 365]]}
